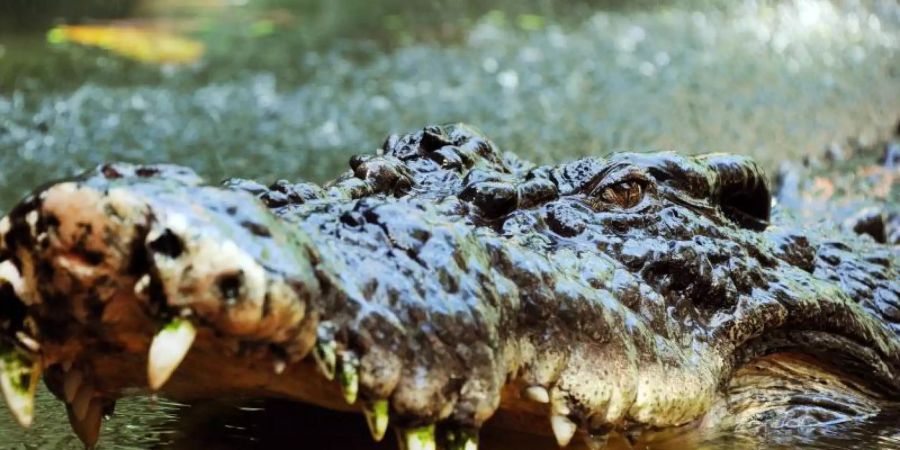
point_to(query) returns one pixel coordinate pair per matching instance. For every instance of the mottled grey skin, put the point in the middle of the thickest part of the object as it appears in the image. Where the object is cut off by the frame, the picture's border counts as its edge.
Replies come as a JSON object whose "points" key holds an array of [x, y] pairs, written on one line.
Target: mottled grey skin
{"points": [[636, 289]]}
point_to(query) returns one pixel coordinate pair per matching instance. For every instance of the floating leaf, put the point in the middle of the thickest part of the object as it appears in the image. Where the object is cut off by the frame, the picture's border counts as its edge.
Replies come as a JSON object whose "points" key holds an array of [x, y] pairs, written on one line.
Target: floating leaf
{"points": [[139, 43]]}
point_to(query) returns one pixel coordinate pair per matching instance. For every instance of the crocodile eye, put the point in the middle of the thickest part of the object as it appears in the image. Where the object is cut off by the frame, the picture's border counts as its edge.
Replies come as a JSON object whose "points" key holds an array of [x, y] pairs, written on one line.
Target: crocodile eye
{"points": [[624, 194]]}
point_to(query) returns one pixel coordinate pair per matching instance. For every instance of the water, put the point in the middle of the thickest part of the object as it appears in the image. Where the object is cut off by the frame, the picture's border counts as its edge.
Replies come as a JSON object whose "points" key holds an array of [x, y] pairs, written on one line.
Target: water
{"points": [[293, 89]]}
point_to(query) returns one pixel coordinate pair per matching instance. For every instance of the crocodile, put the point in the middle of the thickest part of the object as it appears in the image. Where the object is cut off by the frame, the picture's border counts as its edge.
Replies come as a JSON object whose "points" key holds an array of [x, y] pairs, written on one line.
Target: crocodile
{"points": [[440, 285]]}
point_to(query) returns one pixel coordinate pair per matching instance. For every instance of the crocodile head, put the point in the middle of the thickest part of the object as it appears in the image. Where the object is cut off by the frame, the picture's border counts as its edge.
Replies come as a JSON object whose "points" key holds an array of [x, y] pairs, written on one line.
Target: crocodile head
{"points": [[440, 283]]}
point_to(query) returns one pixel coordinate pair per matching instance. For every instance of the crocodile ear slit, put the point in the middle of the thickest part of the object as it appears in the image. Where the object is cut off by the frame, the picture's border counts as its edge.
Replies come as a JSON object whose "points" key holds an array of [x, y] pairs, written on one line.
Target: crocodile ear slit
{"points": [[741, 190]]}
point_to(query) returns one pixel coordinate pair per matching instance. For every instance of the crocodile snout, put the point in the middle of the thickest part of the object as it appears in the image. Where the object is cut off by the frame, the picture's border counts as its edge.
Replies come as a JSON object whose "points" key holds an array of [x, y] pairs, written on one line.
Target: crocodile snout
{"points": [[116, 262]]}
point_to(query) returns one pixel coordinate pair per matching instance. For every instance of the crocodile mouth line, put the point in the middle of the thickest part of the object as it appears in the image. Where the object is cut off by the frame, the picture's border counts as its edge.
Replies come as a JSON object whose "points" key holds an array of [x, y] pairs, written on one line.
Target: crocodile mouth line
{"points": [[870, 369], [133, 336]]}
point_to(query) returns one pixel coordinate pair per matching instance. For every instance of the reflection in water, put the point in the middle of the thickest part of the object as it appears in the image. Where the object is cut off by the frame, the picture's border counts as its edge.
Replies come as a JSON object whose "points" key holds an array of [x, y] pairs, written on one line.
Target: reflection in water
{"points": [[282, 425], [138, 422], [143, 423]]}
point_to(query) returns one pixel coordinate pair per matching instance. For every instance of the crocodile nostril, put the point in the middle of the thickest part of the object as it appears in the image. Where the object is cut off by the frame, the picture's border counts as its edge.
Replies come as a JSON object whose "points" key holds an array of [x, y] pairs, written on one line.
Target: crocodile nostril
{"points": [[93, 258], [147, 172], [110, 172], [51, 221], [168, 244], [229, 285]]}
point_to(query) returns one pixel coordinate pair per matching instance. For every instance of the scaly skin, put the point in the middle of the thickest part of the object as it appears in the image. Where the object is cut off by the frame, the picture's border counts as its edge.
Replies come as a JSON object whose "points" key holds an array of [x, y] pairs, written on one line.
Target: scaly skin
{"points": [[460, 284]]}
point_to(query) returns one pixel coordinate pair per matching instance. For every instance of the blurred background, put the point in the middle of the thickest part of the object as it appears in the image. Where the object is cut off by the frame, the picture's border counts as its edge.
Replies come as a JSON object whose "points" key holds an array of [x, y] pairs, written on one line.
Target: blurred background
{"points": [[270, 89]]}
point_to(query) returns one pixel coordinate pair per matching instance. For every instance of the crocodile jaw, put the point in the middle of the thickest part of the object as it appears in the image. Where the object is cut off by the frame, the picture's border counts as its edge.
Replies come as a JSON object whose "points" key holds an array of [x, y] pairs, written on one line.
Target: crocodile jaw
{"points": [[111, 266]]}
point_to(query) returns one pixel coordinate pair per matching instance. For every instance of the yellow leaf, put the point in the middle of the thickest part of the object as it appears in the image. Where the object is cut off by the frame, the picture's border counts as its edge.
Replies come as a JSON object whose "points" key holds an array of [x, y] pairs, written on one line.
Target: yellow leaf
{"points": [[142, 44]]}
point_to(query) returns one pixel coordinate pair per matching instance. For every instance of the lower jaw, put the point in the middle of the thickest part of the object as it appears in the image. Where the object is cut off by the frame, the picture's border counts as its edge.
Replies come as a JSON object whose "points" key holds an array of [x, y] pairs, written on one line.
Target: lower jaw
{"points": [[206, 375]]}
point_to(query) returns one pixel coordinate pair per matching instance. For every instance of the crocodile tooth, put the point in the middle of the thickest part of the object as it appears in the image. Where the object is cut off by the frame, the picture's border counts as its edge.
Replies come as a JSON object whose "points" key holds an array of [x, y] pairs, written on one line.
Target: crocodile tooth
{"points": [[5, 225], [142, 286], [28, 342], [461, 439], [537, 394], [377, 418], [324, 354], [32, 219], [71, 384], [348, 376], [19, 375], [82, 401], [9, 274], [563, 429], [421, 438], [87, 425], [168, 349]]}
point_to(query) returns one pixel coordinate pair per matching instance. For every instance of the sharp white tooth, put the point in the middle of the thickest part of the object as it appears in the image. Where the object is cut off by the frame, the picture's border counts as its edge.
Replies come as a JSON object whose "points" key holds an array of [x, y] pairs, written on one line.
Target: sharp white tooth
{"points": [[420, 438], [461, 439], [19, 375], [377, 418], [87, 426], [32, 219], [5, 226], [142, 285], [10, 274], [348, 376], [28, 342], [168, 349], [71, 384], [537, 394], [563, 429], [82, 401], [279, 366], [326, 359]]}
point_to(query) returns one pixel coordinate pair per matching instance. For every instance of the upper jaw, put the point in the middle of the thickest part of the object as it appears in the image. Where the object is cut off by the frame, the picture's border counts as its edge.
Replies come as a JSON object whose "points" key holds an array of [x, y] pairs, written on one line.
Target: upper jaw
{"points": [[93, 269], [113, 240], [128, 259]]}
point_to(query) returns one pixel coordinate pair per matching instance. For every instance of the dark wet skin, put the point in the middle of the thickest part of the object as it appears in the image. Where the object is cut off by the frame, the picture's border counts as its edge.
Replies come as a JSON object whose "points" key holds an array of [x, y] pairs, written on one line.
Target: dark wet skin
{"points": [[615, 295]]}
